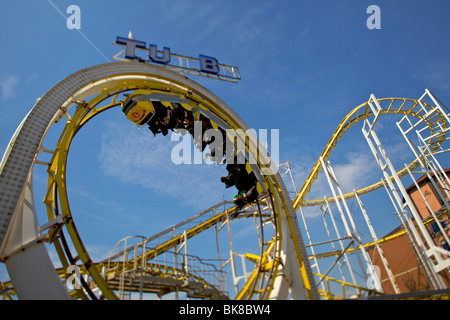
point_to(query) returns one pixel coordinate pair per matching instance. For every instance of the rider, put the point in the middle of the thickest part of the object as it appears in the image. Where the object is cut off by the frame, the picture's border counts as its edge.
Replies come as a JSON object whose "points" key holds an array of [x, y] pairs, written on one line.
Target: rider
{"points": [[160, 119], [245, 183]]}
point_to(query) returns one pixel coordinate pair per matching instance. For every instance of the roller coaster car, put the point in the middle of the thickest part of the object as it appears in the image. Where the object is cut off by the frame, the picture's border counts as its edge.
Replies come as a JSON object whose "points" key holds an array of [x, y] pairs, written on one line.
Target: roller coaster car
{"points": [[163, 112], [148, 108], [138, 109]]}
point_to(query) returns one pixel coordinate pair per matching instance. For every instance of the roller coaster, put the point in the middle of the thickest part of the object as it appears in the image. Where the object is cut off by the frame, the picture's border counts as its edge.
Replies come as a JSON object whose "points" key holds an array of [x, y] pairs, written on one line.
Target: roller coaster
{"points": [[283, 266]]}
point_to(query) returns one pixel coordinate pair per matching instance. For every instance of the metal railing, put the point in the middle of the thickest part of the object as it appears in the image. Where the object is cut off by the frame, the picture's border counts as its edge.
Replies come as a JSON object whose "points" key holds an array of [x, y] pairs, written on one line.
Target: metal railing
{"points": [[188, 272]]}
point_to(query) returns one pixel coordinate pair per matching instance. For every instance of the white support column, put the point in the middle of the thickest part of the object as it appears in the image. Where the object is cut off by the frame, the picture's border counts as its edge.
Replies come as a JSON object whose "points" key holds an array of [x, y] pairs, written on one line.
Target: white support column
{"points": [[377, 245], [399, 193], [422, 152], [341, 242], [431, 163], [375, 109], [434, 115], [25, 253], [345, 214], [433, 214], [313, 251], [289, 279]]}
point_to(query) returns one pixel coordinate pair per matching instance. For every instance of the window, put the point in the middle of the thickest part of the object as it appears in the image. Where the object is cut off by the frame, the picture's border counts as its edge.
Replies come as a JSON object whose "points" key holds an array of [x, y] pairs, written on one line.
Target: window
{"points": [[445, 245]]}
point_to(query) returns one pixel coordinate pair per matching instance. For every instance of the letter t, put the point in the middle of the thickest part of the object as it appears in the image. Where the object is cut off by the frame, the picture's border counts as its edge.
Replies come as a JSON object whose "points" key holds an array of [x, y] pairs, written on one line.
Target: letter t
{"points": [[131, 45]]}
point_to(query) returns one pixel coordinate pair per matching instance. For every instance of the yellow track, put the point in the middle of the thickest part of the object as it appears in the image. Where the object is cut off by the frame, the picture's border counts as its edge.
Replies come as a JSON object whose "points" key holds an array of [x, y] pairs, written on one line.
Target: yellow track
{"points": [[262, 279], [87, 111], [56, 196], [408, 107]]}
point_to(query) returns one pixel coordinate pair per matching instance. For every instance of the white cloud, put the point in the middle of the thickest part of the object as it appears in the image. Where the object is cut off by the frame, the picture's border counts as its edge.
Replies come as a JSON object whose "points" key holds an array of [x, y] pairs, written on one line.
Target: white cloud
{"points": [[136, 157], [357, 173], [31, 78], [8, 85]]}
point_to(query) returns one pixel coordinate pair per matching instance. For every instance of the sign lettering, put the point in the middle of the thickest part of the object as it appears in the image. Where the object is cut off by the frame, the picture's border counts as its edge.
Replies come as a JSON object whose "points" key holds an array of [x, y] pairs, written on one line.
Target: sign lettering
{"points": [[207, 66]]}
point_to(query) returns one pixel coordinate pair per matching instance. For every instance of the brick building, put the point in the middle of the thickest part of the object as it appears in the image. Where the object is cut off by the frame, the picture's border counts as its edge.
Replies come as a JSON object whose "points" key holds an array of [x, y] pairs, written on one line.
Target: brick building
{"points": [[409, 273]]}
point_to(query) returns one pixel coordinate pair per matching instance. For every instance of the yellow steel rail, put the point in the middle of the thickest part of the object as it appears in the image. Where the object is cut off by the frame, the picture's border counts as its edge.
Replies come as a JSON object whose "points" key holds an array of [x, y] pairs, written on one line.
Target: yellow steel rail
{"points": [[110, 80], [387, 238], [160, 270], [57, 191], [366, 245], [153, 269], [7, 290], [264, 266], [269, 260], [330, 296], [362, 112], [177, 240], [57, 182]]}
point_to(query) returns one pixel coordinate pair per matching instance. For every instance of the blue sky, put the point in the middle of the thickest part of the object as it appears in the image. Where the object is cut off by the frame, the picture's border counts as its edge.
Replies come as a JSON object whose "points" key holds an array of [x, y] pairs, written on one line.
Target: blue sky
{"points": [[304, 66]]}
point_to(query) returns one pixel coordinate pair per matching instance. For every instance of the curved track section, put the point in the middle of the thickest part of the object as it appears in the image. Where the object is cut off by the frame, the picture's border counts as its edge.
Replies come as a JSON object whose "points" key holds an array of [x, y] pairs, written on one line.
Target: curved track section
{"points": [[393, 106], [424, 127], [23, 240]]}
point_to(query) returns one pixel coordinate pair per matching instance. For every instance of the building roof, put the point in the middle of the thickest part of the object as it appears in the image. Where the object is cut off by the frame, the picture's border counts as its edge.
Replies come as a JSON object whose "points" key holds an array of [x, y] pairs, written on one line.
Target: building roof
{"points": [[424, 178]]}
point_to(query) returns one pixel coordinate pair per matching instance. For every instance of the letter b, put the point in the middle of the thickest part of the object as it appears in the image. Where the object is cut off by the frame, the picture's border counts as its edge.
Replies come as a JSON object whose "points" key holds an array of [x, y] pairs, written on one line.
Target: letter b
{"points": [[209, 64]]}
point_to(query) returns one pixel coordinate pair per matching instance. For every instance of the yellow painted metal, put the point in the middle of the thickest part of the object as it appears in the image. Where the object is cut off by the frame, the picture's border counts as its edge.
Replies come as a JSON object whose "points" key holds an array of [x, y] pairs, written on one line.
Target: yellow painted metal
{"points": [[267, 263], [369, 245], [408, 108], [86, 111], [330, 296], [267, 266], [7, 290], [171, 243], [362, 112], [57, 190], [60, 178], [57, 174], [177, 240], [140, 111], [152, 269]]}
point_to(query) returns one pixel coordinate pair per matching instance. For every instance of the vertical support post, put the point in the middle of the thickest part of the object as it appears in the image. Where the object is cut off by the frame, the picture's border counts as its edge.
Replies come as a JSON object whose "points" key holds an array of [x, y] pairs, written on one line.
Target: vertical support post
{"points": [[433, 214], [435, 121], [436, 168], [341, 242], [331, 177], [377, 245], [316, 262], [186, 261], [399, 193]]}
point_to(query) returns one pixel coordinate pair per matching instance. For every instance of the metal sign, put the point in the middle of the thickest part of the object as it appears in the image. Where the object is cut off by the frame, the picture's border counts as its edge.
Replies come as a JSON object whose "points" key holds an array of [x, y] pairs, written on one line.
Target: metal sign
{"points": [[204, 66]]}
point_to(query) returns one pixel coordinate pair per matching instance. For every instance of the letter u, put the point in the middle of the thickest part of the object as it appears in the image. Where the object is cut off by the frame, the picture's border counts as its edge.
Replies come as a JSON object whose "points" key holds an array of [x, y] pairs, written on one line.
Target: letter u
{"points": [[153, 55]]}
